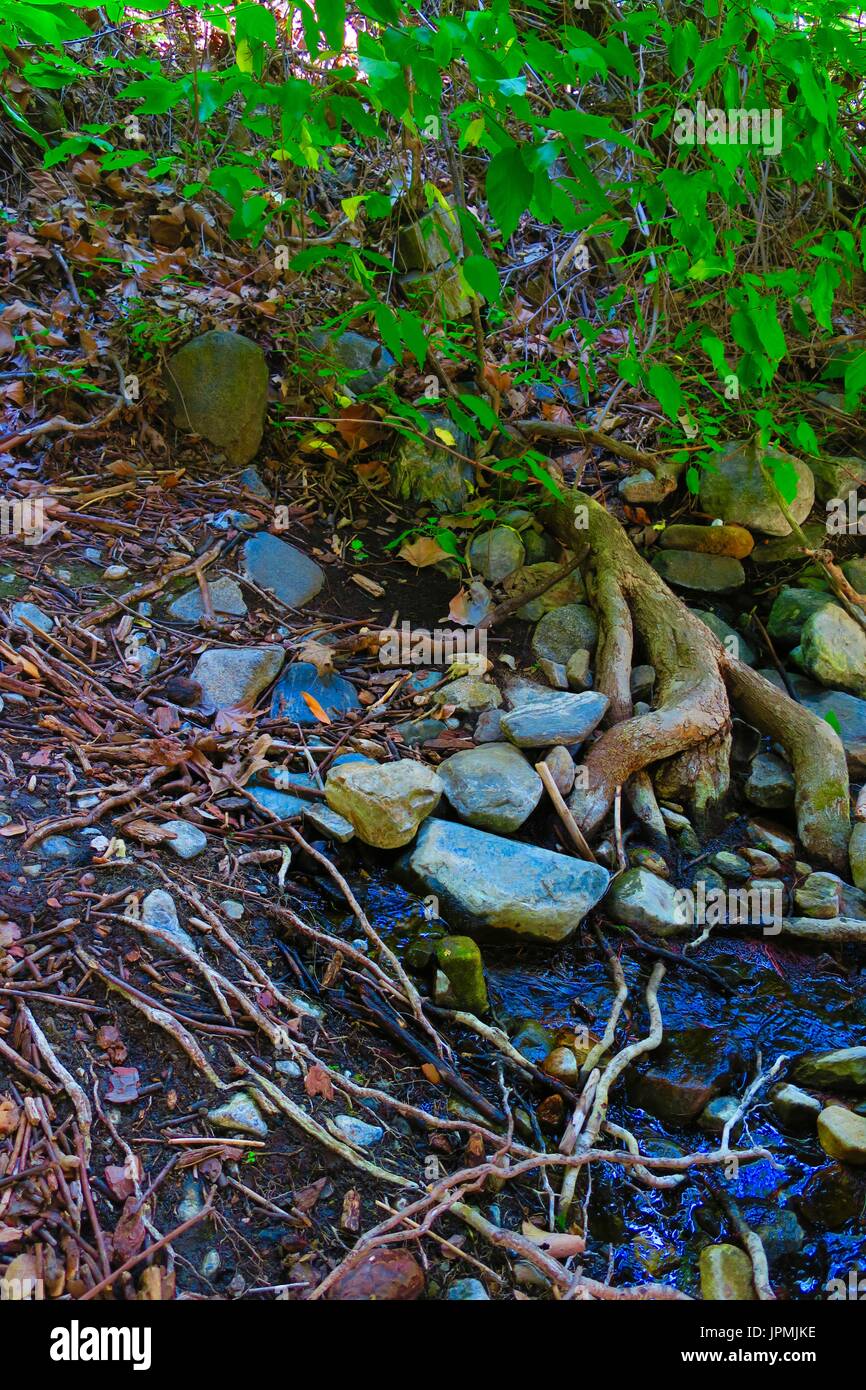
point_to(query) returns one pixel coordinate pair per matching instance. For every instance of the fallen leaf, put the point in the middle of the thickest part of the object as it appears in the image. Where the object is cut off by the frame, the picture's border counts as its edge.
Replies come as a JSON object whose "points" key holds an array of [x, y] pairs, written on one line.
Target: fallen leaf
{"points": [[314, 707], [317, 1082], [381, 1275], [422, 552], [431, 1073], [319, 655]]}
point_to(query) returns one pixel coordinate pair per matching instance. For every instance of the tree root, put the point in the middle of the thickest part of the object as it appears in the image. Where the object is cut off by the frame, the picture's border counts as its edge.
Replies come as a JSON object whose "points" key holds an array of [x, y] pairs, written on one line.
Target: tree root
{"points": [[689, 730]]}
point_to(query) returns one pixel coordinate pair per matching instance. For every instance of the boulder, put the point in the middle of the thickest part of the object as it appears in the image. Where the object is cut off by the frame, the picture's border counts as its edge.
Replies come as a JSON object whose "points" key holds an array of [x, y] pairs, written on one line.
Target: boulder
{"points": [[426, 473], [842, 1135], [492, 787], [217, 387], [231, 676], [384, 802], [734, 541], [832, 651], [736, 490], [561, 717]]}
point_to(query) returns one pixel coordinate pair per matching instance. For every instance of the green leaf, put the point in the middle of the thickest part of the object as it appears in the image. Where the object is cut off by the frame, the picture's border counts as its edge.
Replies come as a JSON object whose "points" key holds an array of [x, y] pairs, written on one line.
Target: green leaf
{"points": [[693, 481], [832, 719], [509, 189], [482, 275]]}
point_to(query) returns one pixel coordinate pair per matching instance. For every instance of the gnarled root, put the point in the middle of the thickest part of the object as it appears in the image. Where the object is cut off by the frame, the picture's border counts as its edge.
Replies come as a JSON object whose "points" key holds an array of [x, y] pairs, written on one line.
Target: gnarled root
{"points": [[689, 729]]}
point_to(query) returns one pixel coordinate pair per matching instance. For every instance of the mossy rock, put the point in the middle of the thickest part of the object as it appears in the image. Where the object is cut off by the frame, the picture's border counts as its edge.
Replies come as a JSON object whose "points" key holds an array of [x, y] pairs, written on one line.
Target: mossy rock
{"points": [[217, 387]]}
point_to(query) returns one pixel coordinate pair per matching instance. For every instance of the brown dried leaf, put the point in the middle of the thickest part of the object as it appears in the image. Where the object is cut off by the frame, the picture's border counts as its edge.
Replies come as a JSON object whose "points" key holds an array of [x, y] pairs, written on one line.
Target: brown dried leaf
{"points": [[317, 1082]]}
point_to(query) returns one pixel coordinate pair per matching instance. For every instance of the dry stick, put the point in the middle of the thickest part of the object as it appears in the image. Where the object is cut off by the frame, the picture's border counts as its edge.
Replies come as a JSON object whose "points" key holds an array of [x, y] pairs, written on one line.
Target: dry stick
{"points": [[154, 586], [79, 1100], [32, 1073], [84, 1179], [651, 1179], [151, 1250], [509, 606], [571, 825], [81, 822]]}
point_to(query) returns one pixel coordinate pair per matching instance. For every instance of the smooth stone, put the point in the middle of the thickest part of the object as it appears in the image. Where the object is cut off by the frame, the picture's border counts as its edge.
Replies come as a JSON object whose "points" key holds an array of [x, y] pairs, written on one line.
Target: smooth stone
{"points": [[274, 564], [426, 473], [158, 910], [795, 1108], [716, 1115], [855, 572], [459, 961], [563, 631], [561, 1063], [488, 729], [771, 838], [192, 1199], [532, 1040], [492, 787], [488, 883], [686, 569], [819, 897], [833, 1196], [790, 611], [562, 768], [770, 783], [786, 548], [189, 841], [467, 1291], [430, 242], [231, 676], [469, 694], [233, 910], [731, 866], [497, 553], [691, 1067], [642, 682], [226, 597], [565, 591], [58, 847], [217, 387], [362, 1135], [251, 479], [857, 854], [289, 1069], [363, 363], [734, 541], [832, 651], [560, 718], [642, 486], [843, 1069], [33, 614], [726, 1274], [781, 1235], [282, 802], [328, 823], [842, 1135], [642, 857], [736, 490], [554, 673], [384, 802], [211, 1264], [762, 865], [146, 661], [640, 899], [335, 694], [577, 672], [837, 477], [417, 731], [241, 1114], [733, 641]]}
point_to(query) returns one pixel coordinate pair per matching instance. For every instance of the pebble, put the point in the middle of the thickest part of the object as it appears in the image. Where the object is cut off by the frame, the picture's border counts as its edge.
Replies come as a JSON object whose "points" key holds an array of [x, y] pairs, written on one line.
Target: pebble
{"points": [[362, 1135], [189, 841], [240, 1114]]}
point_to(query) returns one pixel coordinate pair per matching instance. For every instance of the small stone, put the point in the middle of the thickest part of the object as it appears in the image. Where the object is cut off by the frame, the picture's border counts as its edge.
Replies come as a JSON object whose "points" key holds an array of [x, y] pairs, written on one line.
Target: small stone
{"points": [[832, 651], [385, 803], [726, 1274], [415, 732], [210, 1264], [638, 898], [562, 1064], [252, 481], [289, 1069], [492, 786], [554, 673], [734, 541], [643, 679], [770, 783], [716, 1115], [336, 695], [469, 694], [425, 472], [771, 838], [796, 1109], [226, 598], [497, 553], [763, 865], [273, 564], [467, 1291], [685, 569], [23, 613], [329, 824], [577, 671], [842, 1135], [241, 1114], [564, 591], [459, 961], [362, 363], [818, 897], [362, 1135], [791, 610], [562, 768], [58, 847], [559, 718], [857, 854], [188, 840], [218, 388], [731, 866], [642, 857], [232, 676], [642, 487], [158, 910], [564, 631], [233, 910], [192, 1199], [488, 729]]}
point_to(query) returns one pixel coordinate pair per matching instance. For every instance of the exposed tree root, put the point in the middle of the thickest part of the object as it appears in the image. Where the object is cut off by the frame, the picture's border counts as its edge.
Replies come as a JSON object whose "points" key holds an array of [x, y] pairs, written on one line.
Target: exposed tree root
{"points": [[689, 730]]}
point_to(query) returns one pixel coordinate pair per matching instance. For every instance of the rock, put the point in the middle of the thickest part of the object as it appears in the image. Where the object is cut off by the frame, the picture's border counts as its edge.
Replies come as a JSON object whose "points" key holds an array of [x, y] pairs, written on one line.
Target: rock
{"points": [[192, 1199], [58, 847], [734, 642], [642, 487], [770, 783], [795, 1108], [362, 1135], [790, 611], [564, 631], [252, 481], [562, 769], [158, 910], [554, 673], [687, 569], [232, 676], [642, 682], [726, 1274], [210, 1264], [577, 672], [189, 841], [837, 477], [469, 694], [762, 865], [847, 712], [562, 1063], [691, 1067], [733, 541], [532, 1040], [560, 718], [638, 898], [731, 866], [217, 387], [642, 857], [226, 597], [496, 554], [361, 363], [441, 292], [432, 241], [492, 884], [781, 1235], [842, 1135], [833, 1197], [492, 787], [417, 731], [240, 1114], [832, 651], [857, 854], [328, 823], [145, 661], [771, 838], [274, 564], [426, 473], [735, 488], [335, 694], [855, 572], [459, 961], [467, 1291], [843, 1069], [232, 909], [716, 1115], [788, 547], [564, 591], [818, 897], [383, 1274], [24, 613], [384, 802]]}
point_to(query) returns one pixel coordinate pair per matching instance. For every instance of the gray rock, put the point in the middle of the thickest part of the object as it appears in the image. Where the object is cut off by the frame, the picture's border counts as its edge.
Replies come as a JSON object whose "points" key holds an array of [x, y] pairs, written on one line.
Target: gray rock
{"points": [[735, 488], [842, 1134], [335, 694], [734, 642], [577, 672], [362, 363], [818, 897], [642, 487], [469, 694], [564, 591], [58, 847], [716, 1115], [789, 547], [832, 651], [289, 573], [488, 729], [231, 676], [430, 242], [731, 866], [226, 597], [239, 1114], [555, 673], [689, 569], [189, 841], [418, 731], [492, 787], [192, 1199], [836, 477], [855, 572], [252, 481], [425, 472], [362, 1135], [492, 884], [211, 1264], [795, 1108], [845, 710], [562, 768], [791, 609], [384, 802], [561, 718], [497, 553], [640, 899], [217, 387], [32, 614], [328, 823], [564, 631], [158, 910], [857, 854], [726, 1274], [770, 783]]}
